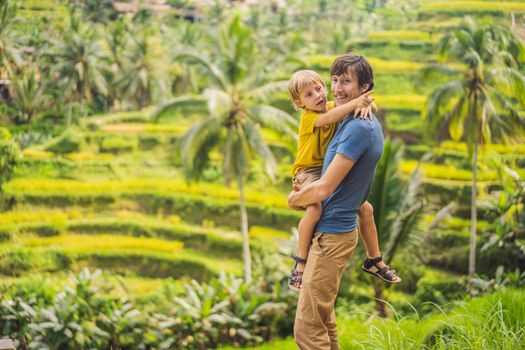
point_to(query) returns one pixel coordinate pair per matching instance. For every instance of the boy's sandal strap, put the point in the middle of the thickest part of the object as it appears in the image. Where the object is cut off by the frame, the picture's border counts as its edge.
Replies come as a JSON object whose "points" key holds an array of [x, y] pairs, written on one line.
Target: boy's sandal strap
{"points": [[375, 260], [296, 276], [298, 259], [387, 272]]}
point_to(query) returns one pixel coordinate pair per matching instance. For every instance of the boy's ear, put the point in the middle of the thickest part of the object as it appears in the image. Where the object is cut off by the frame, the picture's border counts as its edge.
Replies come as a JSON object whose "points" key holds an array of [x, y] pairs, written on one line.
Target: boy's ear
{"points": [[364, 88]]}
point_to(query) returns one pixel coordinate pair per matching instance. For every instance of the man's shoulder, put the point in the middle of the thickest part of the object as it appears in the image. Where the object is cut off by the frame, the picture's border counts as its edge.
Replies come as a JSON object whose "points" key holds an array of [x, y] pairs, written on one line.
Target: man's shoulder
{"points": [[356, 124]]}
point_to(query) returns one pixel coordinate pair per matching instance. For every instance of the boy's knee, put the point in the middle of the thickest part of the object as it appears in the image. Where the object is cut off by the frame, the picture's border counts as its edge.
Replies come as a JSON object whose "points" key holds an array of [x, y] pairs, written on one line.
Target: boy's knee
{"points": [[366, 209]]}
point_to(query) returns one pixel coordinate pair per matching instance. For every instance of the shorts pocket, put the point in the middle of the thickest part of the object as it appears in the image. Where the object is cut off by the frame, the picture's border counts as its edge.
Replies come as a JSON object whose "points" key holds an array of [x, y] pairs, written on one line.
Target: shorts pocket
{"points": [[318, 243]]}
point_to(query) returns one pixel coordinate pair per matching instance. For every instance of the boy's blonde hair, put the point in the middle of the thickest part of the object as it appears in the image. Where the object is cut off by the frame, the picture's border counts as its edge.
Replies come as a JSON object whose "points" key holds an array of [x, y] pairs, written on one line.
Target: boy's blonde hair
{"points": [[299, 81]]}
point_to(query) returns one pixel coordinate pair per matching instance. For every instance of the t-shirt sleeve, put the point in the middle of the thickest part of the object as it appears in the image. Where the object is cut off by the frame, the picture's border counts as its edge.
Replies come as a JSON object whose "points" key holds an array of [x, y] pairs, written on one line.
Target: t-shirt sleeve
{"points": [[354, 141], [307, 125]]}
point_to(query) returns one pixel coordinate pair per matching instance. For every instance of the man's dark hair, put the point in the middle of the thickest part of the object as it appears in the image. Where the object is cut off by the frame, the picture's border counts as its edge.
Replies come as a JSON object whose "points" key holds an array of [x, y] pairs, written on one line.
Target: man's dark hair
{"points": [[356, 64]]}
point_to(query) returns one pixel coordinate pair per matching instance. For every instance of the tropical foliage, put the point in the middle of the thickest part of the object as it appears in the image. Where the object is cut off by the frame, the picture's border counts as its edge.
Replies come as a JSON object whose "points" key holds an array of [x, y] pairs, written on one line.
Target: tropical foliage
{"points": [[124, 123], [480, 105], [235, 113]]}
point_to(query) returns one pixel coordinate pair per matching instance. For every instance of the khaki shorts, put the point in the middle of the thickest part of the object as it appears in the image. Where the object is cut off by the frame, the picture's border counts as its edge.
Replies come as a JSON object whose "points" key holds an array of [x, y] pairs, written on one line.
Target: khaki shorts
{"points": [[306, 176]]}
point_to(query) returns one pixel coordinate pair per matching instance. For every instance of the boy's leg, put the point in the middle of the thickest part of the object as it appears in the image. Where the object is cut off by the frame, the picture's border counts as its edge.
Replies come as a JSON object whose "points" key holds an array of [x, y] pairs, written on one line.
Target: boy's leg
{"points": [[374, 263], [368, 231], [306, 231]]}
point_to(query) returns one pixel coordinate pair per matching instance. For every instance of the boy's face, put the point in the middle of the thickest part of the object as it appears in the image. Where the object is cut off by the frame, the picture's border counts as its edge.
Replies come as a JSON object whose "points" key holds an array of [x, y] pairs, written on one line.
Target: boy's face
{"points": [[313, 98], [345, 87]]}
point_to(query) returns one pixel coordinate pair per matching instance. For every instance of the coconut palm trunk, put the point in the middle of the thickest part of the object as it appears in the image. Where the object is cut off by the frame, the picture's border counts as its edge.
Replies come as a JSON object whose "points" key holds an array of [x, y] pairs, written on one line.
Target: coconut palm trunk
{"points": [[380, 304], [473, 214], [244, 230]]}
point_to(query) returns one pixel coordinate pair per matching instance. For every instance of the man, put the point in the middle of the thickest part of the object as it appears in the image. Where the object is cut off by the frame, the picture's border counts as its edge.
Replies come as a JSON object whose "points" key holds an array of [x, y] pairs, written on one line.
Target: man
{"points": [[347, 175]]}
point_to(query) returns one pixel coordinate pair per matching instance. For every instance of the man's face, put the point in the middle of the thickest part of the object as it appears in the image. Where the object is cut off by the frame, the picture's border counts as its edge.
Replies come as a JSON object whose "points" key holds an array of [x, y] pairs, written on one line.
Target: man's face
{"points": [[345, 87]]}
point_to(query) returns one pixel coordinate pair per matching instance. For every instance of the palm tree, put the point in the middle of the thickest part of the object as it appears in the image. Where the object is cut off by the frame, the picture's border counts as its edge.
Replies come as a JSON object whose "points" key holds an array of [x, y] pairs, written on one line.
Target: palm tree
{"points": [[137, 80], [10, 55], [9, 155], [397, 209], [78, 64], [234, 112], [117, 40], [29, 96], [480, 103]]}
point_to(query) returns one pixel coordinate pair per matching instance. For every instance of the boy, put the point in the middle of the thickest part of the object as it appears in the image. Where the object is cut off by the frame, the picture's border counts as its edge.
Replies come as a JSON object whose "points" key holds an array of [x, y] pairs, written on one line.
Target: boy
{"points": [[319, 121]]}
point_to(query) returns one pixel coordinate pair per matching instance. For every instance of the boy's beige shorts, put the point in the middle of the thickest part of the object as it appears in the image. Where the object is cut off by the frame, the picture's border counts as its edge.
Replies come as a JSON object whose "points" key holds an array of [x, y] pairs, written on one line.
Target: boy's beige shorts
{"points": [[315, 326], [306, 176]]}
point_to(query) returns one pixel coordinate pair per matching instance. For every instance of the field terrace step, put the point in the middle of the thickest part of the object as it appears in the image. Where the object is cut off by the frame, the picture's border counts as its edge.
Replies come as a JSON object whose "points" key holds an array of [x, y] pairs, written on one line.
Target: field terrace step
{"points": [[127, 255], [221, 207]]}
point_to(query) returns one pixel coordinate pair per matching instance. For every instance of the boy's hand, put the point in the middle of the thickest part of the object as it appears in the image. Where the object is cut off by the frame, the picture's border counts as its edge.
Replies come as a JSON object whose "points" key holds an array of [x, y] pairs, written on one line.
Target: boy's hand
{"points": [[363, 105], [364, 113], [363, 101]]}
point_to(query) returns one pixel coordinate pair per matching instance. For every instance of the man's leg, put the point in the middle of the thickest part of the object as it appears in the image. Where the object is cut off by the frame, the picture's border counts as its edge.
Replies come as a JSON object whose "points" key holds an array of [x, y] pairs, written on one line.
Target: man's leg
{"points": [[315, 325]]}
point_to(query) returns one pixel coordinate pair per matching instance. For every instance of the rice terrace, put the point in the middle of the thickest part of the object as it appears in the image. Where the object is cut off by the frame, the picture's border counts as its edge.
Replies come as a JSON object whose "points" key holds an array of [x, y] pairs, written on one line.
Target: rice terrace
{"points": [[150, 165]]}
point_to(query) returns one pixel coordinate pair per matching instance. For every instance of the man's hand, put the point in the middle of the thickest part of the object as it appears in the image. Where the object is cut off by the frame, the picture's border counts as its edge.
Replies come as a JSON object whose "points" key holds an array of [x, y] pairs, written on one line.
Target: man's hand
{"points": [[291, 199]]}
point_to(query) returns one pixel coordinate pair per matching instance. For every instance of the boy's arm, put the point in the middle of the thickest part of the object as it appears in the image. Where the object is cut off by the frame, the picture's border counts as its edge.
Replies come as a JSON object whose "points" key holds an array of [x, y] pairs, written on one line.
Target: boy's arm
{"points": [[336, 114]]}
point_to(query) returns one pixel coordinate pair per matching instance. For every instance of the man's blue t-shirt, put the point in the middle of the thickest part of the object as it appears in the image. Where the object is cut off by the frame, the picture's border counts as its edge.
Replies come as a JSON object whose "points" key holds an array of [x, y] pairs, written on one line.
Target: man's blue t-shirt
{"points": [[362, 141]]}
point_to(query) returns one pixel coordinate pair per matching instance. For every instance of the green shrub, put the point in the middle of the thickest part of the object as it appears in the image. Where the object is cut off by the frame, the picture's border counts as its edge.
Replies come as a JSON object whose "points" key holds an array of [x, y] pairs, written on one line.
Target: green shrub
{"points": [[5, 233], [437, 287], [20, 260], [454, 259], [68, 142], [117, 144]]}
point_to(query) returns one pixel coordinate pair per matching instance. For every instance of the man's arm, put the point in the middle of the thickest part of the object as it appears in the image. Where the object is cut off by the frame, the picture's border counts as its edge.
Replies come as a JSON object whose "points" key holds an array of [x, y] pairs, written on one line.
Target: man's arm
{"points": [[325, 186]]}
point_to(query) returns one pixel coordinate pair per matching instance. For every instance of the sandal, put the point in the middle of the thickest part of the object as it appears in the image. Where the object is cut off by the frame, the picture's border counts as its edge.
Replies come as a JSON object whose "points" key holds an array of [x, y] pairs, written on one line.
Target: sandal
{"points": [[296, 276], [386, 273]]}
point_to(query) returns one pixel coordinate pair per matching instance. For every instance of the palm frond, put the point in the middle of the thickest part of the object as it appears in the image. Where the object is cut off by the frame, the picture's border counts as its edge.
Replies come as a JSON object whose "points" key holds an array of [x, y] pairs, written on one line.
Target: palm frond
{"points": [[180, 103], [407, 218], [259, 146], [265, 92], [196, 145], [509, 80], [213, 71], [430, 71], [507, 119], [457, 118], [275, 119], [387, 187], [438, 102], [219, 102]]}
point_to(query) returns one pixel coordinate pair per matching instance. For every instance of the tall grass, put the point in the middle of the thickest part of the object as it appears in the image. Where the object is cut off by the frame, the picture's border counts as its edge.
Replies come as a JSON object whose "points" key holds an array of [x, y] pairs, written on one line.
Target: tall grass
{"points": [[495, 321]]}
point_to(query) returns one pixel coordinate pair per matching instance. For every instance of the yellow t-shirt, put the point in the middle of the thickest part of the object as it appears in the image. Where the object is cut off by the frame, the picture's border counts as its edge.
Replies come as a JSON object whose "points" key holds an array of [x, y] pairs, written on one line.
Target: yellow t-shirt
{"points": [[313, 141]]}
